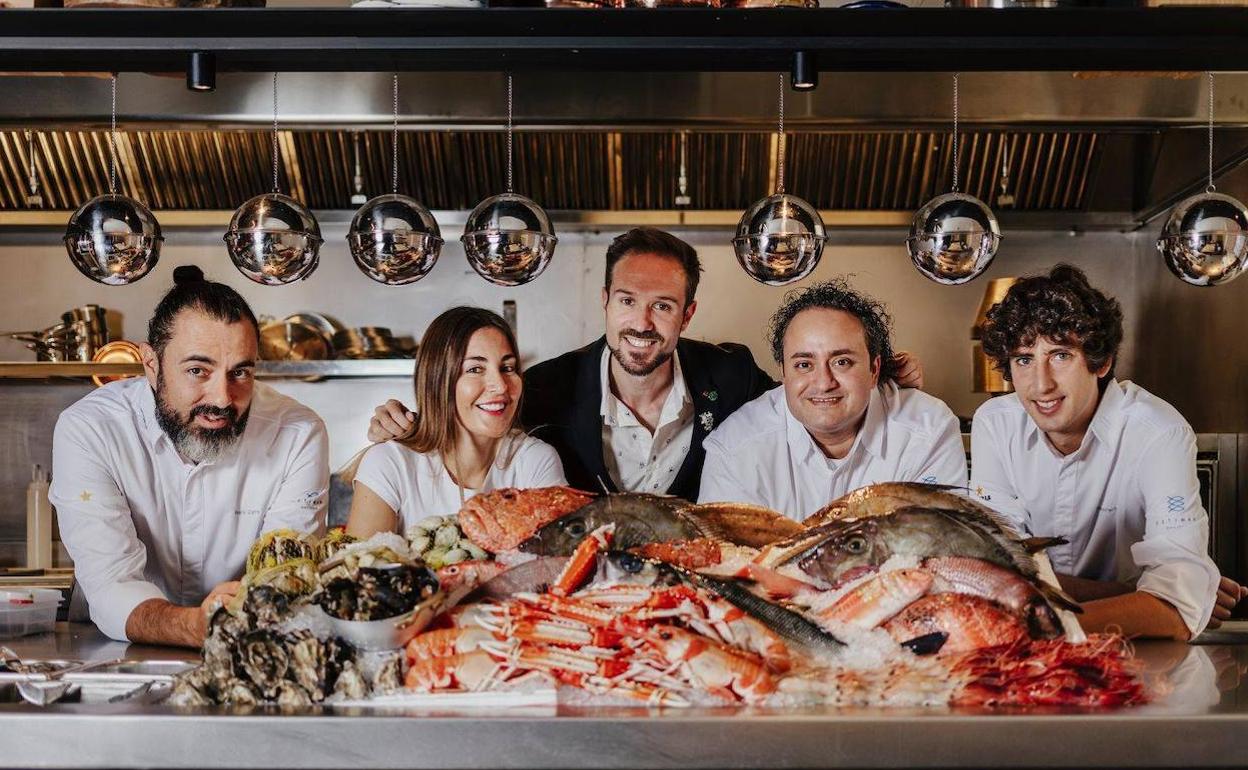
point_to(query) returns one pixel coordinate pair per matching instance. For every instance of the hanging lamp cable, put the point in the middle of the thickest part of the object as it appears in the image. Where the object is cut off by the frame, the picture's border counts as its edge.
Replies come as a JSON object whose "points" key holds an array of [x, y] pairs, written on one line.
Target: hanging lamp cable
{"points": [[780, 143], [955, 131], [1211, 187], [275, 188], [112, 140]]}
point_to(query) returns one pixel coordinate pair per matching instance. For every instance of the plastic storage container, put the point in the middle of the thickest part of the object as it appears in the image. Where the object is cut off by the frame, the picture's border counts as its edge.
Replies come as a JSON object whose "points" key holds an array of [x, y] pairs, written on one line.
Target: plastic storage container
{"points": [[27, 611]]}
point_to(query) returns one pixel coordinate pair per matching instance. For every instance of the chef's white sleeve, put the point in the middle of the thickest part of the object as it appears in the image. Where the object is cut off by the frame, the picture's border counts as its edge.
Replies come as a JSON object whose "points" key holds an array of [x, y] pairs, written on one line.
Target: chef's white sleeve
{"points": [[1174, 553], [720, 481], [301, 499], [991, 480], [97, 527]]}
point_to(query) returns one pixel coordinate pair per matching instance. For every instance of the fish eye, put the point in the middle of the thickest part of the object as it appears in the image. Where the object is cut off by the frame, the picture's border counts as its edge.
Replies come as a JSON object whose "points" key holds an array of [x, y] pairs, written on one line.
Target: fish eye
{"points": [[856, 544], [576, 528], [630, 562]]}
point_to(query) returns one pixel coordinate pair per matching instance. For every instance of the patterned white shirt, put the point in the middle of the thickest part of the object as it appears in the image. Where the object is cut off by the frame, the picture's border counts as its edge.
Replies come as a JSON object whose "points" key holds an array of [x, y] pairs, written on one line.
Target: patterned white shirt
{"points": [[1128, 499], [638, 460], [763, 455], [141, 523]]}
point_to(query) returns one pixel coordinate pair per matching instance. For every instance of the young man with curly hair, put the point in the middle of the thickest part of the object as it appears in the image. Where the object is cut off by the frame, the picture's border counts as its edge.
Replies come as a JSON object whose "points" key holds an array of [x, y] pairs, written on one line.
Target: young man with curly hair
{"points": [[839, 422], [1105, 464]]}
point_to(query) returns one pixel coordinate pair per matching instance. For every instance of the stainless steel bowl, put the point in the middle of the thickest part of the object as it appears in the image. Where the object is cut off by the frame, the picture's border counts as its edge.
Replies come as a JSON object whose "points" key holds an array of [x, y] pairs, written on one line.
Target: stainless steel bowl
{"points": [[779, 239], [508, 239], [1205, 239], [273, 239], [113, 239], [394, 240], [953, 238]]}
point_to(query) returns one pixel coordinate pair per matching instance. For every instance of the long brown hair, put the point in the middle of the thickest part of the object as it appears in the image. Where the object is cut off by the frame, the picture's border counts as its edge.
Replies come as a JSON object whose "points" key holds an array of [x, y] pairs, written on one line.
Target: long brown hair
{"points": [[438, 363]]}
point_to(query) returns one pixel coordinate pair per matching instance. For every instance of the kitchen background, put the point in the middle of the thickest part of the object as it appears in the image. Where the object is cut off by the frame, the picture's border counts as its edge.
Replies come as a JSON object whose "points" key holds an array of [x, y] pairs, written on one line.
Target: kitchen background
{"points": [[1183, 343]]}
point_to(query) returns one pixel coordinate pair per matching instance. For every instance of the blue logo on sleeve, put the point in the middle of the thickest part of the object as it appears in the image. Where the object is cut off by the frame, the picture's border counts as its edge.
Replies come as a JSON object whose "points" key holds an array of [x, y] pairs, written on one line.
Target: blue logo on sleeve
{"points": [[1176, 504]]}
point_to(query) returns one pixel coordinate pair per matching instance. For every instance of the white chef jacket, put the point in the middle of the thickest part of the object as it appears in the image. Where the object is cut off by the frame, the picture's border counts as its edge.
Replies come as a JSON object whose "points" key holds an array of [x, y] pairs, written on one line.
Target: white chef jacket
{"points": [[1128, 499], [763, 455], [416, 485], [141, 523], [638, 460]]}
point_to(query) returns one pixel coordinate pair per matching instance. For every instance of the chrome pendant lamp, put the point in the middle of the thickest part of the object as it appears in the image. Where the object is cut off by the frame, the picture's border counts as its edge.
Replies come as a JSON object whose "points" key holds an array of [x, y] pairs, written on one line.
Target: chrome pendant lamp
{"points": [[953, 237], [508, 238], [273, 239], [393, 238], [780, 238], [1205, 239], [113, 239]]}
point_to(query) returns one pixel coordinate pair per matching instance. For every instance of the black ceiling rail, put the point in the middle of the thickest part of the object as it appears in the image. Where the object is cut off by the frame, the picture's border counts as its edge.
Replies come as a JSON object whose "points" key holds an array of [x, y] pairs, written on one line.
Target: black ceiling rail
{"points": [[917, 39]]}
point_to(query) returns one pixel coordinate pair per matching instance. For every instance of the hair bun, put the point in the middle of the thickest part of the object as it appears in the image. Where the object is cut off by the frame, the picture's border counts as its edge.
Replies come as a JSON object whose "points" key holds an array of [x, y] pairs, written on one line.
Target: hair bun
{"points": [[184, 274]]}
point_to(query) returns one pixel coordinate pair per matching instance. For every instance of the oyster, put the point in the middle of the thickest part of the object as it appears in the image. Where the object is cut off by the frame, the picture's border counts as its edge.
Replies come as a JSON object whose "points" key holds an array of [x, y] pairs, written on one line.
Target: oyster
{"points": [[278, 546], [350, 684], [262, 657], [334, 541], [291, 695]]}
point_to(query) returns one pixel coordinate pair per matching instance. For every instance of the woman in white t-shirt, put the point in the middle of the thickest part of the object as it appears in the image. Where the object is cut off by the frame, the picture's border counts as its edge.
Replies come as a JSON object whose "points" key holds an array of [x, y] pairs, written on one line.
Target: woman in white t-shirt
{"points": [[465, 439]]}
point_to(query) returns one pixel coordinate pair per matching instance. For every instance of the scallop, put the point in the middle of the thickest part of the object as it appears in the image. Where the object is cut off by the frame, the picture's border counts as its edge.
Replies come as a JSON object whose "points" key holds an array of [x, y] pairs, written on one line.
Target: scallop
{"points": [[447, 536], [455, 556], [432, 522]]}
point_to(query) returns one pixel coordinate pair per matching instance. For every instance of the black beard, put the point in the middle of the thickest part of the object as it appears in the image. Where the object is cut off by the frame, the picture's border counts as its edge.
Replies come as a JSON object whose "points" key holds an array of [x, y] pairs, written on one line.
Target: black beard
{"points": [[644, 369], [193, 442]]}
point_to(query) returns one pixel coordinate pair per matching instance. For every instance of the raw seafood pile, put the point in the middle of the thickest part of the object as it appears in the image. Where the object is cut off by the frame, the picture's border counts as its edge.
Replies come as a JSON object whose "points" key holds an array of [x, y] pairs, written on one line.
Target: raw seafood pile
{"points": [[897, 594], [271, 644]]}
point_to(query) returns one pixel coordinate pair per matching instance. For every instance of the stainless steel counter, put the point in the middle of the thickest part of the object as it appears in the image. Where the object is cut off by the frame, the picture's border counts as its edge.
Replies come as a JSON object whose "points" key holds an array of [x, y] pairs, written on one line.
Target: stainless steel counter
{"points": [[1202, 720]]}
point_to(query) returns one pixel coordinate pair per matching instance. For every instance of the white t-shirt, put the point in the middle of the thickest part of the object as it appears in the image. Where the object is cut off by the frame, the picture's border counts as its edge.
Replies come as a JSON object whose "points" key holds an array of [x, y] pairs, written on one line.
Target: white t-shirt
{"points": [[417, 485], [763, 455], [1127, 499], [141, 523]]}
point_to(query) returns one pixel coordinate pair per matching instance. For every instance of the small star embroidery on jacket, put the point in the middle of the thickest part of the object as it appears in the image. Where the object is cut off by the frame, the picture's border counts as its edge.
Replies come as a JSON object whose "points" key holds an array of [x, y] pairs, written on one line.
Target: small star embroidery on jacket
{"points": [[707, 419], [85, 496]]}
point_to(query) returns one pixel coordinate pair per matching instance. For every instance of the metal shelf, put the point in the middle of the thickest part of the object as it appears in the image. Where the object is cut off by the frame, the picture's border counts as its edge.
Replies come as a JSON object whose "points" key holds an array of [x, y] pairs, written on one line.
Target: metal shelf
{"points": [[700, 40], [388, 367]]}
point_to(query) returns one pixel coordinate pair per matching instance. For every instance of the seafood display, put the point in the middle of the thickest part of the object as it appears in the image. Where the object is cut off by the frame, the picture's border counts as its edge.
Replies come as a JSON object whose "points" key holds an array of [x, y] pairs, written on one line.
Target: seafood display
{"points": [[502, 519], [898, 594], [438, 541]]}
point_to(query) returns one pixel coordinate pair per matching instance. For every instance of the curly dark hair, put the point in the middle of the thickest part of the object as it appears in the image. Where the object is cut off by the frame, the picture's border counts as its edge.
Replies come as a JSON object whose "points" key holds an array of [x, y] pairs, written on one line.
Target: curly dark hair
{"points": [[1061, 306], [836, 294]]}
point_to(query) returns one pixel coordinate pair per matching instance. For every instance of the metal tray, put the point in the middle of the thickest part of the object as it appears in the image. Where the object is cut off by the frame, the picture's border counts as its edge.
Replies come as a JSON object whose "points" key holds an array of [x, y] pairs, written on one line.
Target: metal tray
{"points": [[135, 671], [58, 665]]}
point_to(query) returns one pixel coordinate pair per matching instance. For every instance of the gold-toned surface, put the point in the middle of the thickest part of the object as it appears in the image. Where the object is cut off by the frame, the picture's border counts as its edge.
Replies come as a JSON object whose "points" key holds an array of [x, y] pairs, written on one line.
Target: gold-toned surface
{"points": [[984, 376], [116, 352]]}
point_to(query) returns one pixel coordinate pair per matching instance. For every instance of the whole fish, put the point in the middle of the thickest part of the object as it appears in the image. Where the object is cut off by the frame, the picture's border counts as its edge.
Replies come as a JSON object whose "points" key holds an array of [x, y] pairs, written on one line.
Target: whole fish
{"points": [[745, 524], [841, 550], [534, 577], [883, 499], [623, 567], [638, 519]]}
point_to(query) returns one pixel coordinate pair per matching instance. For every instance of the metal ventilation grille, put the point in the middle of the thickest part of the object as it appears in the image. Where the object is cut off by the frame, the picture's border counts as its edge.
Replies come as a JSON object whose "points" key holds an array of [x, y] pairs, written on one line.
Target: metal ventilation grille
{"points": [[901, 171], [894, 171]]}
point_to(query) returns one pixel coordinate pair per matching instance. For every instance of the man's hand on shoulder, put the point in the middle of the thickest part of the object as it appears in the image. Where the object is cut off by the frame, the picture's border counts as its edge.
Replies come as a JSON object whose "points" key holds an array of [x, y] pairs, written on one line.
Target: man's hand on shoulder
{"points": [[391, 420], [909, 370]]}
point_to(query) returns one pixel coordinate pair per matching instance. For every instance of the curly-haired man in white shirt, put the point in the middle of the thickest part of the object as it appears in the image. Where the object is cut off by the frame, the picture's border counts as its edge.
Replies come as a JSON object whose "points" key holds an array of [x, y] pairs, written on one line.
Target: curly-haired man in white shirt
{"points": [[1105, 464]]}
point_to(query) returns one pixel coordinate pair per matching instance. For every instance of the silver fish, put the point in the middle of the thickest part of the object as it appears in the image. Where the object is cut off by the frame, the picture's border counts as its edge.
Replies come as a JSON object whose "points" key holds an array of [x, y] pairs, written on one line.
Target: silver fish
{"points": [[620, 566]]}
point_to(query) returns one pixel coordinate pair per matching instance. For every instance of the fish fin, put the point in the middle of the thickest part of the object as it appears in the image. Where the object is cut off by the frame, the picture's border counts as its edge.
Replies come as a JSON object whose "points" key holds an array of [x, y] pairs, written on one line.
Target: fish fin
{"points": [[994, 527], [1037, 544], [1060, 598]]}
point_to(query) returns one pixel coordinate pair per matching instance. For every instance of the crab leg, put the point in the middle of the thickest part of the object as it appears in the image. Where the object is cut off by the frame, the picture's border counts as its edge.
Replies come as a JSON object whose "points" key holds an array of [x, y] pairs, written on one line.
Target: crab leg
{"points": [[584, 560]]}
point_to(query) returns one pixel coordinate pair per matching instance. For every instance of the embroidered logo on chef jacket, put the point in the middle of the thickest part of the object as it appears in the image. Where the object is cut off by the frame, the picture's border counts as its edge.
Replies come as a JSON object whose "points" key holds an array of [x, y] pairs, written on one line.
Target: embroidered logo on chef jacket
{"points": [[928, 479], [982, 494], [312, 500], [248, 511], [85, 496], [1175, 504]]}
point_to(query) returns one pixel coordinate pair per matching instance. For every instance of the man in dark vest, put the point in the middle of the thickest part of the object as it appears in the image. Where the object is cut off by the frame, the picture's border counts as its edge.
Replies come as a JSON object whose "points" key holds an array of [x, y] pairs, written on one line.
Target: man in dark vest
{"points": [[629, 411]]}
